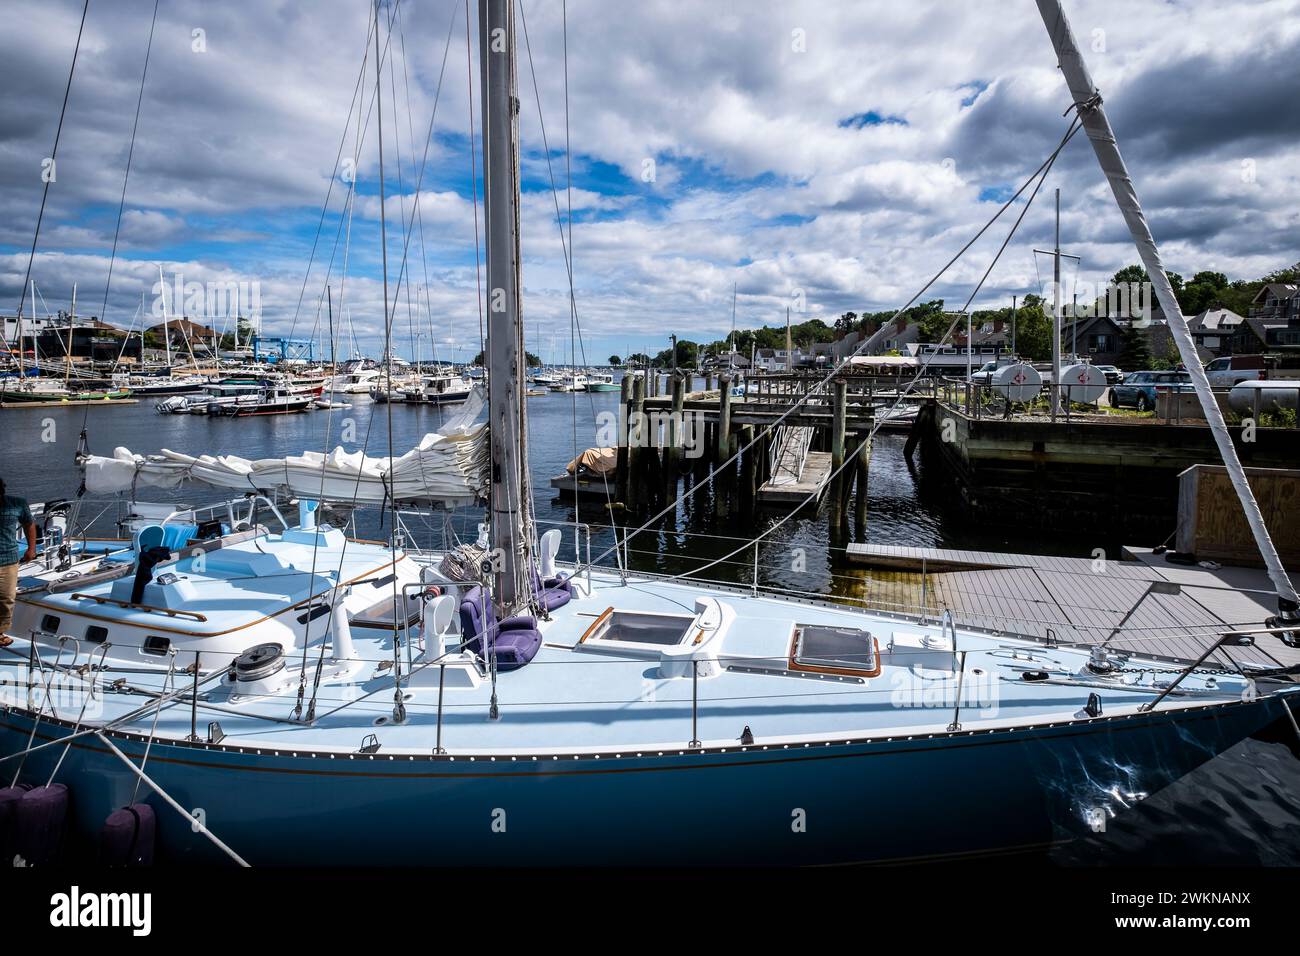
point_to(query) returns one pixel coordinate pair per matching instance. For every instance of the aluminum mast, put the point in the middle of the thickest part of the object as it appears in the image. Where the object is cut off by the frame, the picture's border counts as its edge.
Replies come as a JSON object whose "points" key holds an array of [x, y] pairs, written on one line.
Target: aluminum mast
{"points": [[509, 494]]}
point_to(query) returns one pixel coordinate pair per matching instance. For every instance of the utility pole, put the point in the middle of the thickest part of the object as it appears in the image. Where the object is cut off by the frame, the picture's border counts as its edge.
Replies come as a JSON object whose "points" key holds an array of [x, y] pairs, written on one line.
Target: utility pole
{"points": [[970, 344], [1056, 311], [1074, 325], [1056, 255], [789, 347], [1013, 326]]}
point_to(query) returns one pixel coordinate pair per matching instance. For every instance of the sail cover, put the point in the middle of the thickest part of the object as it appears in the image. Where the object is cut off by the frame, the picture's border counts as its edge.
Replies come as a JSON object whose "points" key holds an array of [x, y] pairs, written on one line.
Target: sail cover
{"points": [[448, 467]]}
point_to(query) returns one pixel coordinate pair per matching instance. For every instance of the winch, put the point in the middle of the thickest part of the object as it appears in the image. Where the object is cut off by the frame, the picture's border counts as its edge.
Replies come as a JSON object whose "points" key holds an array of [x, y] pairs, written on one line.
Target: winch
{"points": [[257, 663]]}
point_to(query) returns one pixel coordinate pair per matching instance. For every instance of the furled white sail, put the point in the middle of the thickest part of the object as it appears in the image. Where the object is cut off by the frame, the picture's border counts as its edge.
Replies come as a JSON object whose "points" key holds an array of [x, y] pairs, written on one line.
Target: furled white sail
{"points": [[1097, 126], [449, 467]]}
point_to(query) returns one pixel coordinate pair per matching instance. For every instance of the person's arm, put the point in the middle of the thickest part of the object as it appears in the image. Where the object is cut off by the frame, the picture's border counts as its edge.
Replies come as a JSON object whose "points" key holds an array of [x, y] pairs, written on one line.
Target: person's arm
{"points": [[30, 528]]}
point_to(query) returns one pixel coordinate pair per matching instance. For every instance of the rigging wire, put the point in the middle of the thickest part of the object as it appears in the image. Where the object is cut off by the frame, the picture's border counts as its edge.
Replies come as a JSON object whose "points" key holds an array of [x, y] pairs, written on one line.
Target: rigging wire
{"points": [[567, 251], [54, 154], [473, 184], [1075, 125], [347, 123], [126, 176]]}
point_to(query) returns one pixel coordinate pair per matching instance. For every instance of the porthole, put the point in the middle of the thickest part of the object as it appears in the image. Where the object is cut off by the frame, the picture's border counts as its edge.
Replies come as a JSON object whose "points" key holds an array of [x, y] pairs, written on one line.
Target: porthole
{"points": [[96, 634], [50, 623], [157, 646]]}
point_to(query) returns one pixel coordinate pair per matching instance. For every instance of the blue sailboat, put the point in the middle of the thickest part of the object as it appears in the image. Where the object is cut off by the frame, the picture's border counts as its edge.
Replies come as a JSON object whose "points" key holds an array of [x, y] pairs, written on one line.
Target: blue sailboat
{"points": [[285, 694]]}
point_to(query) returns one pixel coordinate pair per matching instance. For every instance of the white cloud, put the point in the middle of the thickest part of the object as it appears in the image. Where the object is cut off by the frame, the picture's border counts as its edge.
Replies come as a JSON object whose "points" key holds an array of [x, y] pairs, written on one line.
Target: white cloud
{"points": [[758, 180]]}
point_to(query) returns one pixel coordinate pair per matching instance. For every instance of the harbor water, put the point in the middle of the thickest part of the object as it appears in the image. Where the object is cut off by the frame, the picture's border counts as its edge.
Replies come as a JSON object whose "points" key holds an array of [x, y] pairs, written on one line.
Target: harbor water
{"points": [[1243, 807]]}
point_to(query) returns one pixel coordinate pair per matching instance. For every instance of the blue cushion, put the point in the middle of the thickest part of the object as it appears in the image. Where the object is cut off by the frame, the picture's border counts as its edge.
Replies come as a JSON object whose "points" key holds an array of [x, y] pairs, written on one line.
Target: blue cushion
{"points": [[150, 536], [176, 536]]}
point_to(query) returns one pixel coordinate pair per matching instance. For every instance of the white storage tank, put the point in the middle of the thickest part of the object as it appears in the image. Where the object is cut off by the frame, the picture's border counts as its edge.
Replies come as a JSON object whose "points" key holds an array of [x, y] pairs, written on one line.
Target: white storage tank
{"points": [[1273, 395], [1082, 383], [1017, 383]]}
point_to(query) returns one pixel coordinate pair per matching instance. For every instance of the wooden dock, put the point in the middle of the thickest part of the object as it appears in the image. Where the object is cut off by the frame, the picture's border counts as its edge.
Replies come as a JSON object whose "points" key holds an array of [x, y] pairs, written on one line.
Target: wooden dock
{"points": [[733, 434], [1078, 600], [71, 403], [812, 479]]}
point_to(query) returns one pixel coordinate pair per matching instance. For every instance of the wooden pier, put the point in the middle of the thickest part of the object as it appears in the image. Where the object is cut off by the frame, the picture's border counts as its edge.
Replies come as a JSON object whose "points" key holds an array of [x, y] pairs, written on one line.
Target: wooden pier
{"points": [[771, 440]]}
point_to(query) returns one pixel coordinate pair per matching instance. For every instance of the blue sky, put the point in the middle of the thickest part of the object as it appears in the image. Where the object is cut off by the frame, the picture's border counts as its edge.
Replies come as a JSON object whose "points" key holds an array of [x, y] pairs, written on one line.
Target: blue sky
{"points": [[829, 154]]}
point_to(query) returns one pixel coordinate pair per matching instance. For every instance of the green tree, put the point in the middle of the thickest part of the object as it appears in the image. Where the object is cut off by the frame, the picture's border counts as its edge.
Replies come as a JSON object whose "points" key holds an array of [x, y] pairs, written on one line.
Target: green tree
{"points": [[1202, 292], [1139, 275], [1033, 330], [933, 321], [688, 355], [531, 360], [615, 360], [245, 328], [1134, 356]]}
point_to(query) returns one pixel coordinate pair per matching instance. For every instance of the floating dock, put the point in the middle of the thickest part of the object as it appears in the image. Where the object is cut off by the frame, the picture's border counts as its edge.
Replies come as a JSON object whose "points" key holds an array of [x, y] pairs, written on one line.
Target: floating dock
{"points": [[72, 403], [1082, 601]]}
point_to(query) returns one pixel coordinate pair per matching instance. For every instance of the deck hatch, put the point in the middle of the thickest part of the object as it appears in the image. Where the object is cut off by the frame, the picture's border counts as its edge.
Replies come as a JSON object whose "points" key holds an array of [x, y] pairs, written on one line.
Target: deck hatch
{"points": [[834, 650], [640, 628]]}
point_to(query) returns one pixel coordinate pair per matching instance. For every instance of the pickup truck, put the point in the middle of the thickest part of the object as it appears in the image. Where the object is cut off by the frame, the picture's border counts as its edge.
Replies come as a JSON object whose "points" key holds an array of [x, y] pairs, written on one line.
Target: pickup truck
{"points": [[1232, 369]]}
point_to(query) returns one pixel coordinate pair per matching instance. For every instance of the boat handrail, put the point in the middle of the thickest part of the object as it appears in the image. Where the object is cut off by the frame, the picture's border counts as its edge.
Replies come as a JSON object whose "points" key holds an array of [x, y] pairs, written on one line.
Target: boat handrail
{"points": [[948, 629], [170, 612]]}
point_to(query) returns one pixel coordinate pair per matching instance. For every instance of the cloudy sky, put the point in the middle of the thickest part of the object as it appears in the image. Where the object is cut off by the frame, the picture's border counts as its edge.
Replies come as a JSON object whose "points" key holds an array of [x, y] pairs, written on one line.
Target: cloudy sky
{"points": [[832, 155]]}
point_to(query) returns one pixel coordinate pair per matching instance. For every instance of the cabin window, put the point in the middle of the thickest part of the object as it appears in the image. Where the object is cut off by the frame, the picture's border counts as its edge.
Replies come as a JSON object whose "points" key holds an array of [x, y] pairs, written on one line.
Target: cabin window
{"points": [[320, 610], [834, 650], [96, 634], [157, 646], [50, 623]]}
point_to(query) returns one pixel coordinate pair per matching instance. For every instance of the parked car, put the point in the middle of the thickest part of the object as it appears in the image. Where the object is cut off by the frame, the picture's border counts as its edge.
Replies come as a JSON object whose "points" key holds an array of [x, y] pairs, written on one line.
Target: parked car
{"points": [[1232, 369], [984, 374], [1139, 388], [1113, 375]]}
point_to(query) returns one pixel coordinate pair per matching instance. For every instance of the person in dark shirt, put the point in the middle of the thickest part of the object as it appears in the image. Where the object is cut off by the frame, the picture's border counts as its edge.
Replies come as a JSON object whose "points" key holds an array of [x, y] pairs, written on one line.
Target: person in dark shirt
{"points": [[14, 514]]}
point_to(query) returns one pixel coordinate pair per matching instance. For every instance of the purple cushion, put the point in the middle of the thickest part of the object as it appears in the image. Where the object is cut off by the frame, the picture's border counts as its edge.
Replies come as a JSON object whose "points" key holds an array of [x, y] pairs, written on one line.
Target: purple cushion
{"points": [[515, 648], [553, 592], [516, 640], [475, 618]]}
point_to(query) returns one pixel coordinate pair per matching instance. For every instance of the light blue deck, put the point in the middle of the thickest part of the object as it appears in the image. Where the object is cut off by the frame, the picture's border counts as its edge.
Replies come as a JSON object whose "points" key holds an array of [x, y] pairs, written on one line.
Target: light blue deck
{"points": [[570, 700], [591, 756], [237, 585]]}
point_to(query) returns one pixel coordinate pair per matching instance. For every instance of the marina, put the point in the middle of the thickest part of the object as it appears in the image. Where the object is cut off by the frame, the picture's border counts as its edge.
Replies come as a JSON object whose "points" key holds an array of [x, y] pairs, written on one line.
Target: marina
{"points": [[884, 590]]}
